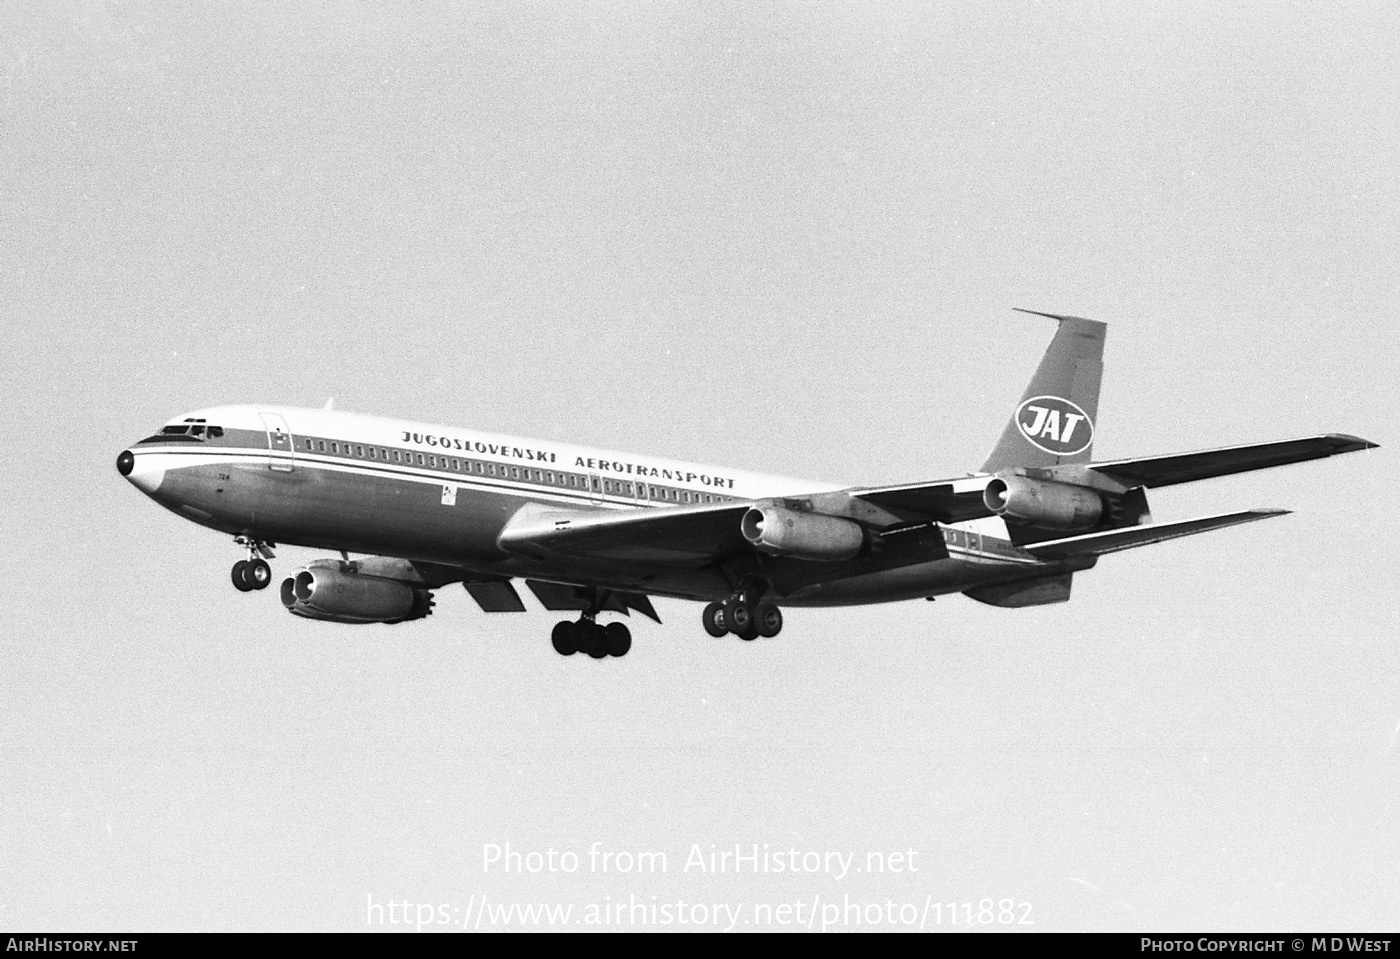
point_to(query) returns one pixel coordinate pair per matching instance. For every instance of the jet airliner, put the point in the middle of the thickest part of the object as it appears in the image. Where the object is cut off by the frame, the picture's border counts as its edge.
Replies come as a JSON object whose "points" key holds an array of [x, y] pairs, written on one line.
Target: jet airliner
{"points": [[593, 531]]}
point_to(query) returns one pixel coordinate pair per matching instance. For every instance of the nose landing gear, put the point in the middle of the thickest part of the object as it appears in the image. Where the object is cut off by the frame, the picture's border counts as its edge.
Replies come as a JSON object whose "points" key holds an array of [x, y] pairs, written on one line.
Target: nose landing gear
{"points": [[252, 573]]}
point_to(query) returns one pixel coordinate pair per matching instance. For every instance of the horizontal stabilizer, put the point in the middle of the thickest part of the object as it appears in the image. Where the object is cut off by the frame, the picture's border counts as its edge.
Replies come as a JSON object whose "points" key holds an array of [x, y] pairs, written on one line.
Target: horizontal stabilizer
{"points": [[1113, 540], [1185, 467]]}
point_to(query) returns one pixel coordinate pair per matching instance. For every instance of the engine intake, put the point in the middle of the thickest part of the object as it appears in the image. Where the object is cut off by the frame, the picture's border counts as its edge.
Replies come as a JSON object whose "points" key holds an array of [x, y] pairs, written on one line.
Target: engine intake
{"points": [[1044, 504], [785, 532], [338, 592]]}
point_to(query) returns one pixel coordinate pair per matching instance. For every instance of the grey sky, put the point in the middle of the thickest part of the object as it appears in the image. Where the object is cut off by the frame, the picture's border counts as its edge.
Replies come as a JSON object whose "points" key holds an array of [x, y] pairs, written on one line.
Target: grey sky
{"points": [[778, 237]]}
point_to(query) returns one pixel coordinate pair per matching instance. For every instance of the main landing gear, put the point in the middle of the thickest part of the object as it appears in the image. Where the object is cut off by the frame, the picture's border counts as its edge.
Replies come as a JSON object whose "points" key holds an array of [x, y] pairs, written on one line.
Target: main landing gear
{"points": [[744, 614], [586, 635], [253, 572], [595, 639]]}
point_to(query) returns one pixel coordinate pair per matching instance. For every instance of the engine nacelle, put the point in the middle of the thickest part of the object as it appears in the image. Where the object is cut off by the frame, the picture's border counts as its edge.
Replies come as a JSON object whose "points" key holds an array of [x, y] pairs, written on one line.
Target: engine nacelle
{"points": [[786, 532], [1044, 504], [338, 592]]}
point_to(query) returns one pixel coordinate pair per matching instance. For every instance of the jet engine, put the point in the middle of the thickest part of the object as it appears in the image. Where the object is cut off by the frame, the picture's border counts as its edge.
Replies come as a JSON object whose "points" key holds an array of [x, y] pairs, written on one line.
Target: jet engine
{"points": [[340, 593], [1044, 504], [785, 532]]}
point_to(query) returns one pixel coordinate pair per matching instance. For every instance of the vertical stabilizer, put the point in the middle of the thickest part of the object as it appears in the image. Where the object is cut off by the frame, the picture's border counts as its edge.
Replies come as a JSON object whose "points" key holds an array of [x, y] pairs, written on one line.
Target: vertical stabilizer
{"points": [[1055, 420]]}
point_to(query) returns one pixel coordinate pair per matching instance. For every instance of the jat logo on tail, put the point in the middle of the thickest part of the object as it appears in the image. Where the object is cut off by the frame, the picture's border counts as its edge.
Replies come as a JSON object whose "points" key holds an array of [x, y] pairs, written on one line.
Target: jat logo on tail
{"points": [[1055, 425]]}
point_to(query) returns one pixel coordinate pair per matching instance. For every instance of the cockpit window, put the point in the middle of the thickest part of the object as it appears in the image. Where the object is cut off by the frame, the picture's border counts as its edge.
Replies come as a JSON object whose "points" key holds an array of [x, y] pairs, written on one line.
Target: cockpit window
{"points": [[189, 430]]}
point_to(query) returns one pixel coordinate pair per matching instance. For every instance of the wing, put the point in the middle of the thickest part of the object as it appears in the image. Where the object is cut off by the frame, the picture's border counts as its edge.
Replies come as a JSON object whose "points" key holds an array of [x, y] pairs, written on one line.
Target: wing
{"points": [[671, 536], [947, 501], [1186, 467], [559, 596], [1114, 540]]}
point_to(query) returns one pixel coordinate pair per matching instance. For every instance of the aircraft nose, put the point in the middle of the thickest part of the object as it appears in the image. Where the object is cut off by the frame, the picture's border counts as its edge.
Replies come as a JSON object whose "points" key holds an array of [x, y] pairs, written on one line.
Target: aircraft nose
{"points": [[140, 471]]}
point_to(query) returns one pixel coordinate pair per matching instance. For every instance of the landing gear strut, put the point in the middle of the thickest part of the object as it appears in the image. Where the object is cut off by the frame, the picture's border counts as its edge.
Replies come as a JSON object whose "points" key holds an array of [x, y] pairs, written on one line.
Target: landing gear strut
{"points": [[253, 572], [586, 635], [745, 614]]}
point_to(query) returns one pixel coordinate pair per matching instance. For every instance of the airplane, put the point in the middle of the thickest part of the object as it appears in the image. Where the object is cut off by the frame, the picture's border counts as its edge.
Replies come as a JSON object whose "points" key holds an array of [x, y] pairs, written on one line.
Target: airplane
{"points": [[594, 531]]}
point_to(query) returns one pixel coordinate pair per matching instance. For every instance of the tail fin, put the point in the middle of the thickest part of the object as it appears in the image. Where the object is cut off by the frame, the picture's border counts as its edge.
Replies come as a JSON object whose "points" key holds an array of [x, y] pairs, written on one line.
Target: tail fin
{"points": [[1054, 422]]}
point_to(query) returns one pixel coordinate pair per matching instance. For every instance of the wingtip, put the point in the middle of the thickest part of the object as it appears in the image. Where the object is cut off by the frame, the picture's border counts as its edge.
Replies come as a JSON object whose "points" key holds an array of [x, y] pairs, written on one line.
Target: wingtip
{"points": [[1346, 443]]}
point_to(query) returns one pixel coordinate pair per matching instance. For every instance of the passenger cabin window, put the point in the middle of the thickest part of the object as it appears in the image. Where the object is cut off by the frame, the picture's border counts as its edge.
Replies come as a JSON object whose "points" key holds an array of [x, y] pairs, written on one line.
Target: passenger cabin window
{"points": [[359, 451]]}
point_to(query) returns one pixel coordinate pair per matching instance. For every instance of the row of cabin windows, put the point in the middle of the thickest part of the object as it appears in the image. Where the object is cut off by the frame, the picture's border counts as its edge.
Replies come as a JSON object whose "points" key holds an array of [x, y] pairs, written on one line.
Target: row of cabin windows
{"points": [[481, 468]]}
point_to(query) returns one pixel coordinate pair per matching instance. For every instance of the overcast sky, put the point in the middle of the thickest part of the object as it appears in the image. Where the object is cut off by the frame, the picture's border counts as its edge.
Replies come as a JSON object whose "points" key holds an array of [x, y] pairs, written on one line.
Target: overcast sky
{"points": [[775, 237]]}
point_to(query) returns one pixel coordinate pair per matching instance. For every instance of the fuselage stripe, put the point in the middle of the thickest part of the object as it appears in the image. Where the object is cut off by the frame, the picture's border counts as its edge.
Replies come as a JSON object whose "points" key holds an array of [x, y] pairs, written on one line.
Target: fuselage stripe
{"points": [[210, 457]]}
